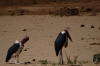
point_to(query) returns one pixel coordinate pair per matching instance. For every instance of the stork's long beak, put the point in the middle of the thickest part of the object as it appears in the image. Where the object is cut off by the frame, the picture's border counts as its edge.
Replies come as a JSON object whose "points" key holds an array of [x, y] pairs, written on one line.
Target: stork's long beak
{"points": [[69, 36]]}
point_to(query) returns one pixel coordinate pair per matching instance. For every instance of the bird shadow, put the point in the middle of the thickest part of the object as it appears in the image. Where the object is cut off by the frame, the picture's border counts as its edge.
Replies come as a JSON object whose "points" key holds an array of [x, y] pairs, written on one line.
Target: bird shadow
{"points": [[75, 65], [10, 63], [27, 62]]}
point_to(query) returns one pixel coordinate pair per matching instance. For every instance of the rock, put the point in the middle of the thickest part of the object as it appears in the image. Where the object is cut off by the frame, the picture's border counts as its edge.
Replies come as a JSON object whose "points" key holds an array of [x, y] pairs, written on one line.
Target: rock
{"points": [[92, 26], [24, 29], [28, 62], [33, 60], [82, 38], [89, 9], [82, 25]]}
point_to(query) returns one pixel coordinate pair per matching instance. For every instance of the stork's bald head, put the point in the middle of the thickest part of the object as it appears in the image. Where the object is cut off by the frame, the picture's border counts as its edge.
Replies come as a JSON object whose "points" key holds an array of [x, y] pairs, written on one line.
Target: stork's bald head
{"points": [[68, 34], [25, 39]]}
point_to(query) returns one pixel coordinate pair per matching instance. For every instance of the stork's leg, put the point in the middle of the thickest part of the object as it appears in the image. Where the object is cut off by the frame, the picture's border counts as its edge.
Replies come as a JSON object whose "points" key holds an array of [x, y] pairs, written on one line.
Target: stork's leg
{"points": [[61, 57], [17, 60]]}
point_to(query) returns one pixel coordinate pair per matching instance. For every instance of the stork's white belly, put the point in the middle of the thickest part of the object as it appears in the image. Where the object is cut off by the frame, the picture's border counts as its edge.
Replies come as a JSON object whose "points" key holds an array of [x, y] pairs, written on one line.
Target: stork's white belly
{"points": [[19, 51]]}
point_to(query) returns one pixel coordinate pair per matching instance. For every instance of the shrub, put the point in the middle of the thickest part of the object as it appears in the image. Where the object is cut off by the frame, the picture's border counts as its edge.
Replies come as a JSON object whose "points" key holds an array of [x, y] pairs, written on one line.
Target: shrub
{"points": [[96, 58]]}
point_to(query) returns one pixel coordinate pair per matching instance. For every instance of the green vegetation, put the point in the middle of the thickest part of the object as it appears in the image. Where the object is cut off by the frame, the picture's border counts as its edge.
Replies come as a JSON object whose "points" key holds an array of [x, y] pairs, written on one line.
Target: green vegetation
{"points": [[96, 58], [53, 63], [69, 61], [43, 61], [83, 62]]}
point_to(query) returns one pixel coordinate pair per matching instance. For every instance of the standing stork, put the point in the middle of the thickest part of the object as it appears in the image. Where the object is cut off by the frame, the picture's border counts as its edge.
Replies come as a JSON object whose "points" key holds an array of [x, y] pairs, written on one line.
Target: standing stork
{"points": [[16, 49], [61, 40]]}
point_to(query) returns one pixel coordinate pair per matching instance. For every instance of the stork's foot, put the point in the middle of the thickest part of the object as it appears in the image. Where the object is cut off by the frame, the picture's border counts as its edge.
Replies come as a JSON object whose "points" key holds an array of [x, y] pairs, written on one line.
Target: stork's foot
{"points": [[60, 63], [17, 63]]}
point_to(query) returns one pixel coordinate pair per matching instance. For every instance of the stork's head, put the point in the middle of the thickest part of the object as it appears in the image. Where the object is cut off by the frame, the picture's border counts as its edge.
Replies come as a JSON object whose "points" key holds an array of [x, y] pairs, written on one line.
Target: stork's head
{"points": [[25, 39], [68, 34]]}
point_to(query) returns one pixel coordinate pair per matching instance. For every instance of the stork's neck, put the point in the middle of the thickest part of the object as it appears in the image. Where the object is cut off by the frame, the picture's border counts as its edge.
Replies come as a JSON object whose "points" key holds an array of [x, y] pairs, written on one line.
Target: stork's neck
{"points": [[19, 43], [63, 32]]}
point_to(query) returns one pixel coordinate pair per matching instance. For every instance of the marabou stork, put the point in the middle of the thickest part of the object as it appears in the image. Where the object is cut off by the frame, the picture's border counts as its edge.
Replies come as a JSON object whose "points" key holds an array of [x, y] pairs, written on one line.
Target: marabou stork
{"points": [[61, 40], [16, 49]]}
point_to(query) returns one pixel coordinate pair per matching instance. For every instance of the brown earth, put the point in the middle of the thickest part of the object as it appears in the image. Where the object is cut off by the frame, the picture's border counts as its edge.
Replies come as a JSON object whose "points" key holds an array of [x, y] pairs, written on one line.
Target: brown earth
{"points": [[45, 7]]}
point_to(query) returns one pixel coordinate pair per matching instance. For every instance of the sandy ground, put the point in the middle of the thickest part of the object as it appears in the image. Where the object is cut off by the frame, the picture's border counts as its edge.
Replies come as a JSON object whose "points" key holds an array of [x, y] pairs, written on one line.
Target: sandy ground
{"points": [[43, 31], [43, 28]]}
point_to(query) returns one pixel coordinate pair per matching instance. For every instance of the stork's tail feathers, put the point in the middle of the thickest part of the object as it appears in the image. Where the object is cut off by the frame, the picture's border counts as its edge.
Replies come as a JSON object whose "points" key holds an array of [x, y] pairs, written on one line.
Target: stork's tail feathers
{"points": [[7, 58]]}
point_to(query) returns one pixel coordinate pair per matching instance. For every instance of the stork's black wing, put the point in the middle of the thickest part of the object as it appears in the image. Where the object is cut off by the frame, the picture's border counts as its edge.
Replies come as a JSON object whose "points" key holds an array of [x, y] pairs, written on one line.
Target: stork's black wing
{"points": [[11, 51], [59, 42]]}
